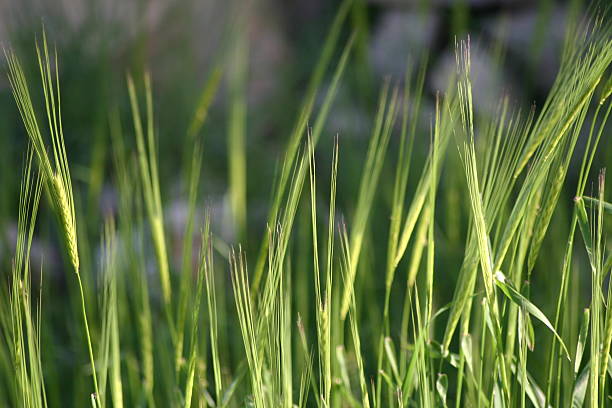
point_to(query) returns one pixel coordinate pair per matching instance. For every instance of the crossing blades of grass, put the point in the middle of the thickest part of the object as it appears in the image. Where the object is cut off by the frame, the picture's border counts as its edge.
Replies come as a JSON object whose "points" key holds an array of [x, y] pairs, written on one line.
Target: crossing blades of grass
{"points": [[520, 300], [304, 116], [147, 159], [383, 126]]}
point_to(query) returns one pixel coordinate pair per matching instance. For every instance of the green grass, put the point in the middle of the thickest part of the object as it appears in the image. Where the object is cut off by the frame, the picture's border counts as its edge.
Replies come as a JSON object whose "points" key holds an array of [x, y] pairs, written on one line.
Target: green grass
{"points": [[457, 279]]}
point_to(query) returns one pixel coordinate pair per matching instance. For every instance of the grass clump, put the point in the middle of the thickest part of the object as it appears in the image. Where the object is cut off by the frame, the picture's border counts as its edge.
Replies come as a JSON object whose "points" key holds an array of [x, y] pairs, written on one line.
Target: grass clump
{"points": [[363, 297], [56, 173]]}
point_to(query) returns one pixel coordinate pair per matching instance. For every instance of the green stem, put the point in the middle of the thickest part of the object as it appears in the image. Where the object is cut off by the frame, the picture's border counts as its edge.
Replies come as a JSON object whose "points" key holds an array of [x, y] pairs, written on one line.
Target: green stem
{"points": [[89, 347]]}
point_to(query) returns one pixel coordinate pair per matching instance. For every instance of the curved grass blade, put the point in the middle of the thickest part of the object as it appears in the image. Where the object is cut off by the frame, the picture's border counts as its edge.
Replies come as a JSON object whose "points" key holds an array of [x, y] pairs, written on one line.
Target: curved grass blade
{"points": [[521, 301], [594, 202]]}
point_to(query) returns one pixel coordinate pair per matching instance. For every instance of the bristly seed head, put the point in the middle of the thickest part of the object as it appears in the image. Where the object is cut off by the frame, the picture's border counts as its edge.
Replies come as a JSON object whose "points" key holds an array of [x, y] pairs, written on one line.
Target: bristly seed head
{"points": [[65, 211]]}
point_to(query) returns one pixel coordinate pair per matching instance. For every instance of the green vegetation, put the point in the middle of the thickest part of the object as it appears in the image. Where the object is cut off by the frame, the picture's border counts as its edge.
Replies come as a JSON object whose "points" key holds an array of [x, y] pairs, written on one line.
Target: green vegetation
{"points": [[456, 280]]}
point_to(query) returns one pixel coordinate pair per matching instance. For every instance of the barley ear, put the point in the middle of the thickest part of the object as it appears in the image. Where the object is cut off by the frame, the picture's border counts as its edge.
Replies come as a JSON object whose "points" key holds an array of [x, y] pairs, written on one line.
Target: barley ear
{"points": [[65, 211], [53, 165]]}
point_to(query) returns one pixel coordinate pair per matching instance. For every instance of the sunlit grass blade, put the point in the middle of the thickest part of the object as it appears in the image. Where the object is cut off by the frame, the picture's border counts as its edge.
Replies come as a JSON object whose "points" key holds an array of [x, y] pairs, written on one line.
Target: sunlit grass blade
{"points": [[346, 260], [581, 344]]}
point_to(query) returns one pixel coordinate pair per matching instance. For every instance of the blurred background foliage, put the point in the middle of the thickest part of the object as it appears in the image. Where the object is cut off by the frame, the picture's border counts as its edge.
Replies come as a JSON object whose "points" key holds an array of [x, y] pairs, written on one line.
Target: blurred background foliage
{"points": [[517, 45]]}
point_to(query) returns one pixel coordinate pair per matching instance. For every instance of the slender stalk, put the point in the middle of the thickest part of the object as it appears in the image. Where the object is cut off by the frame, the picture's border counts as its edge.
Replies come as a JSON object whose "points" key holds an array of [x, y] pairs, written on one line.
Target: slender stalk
{"points": [[88, 337]]}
